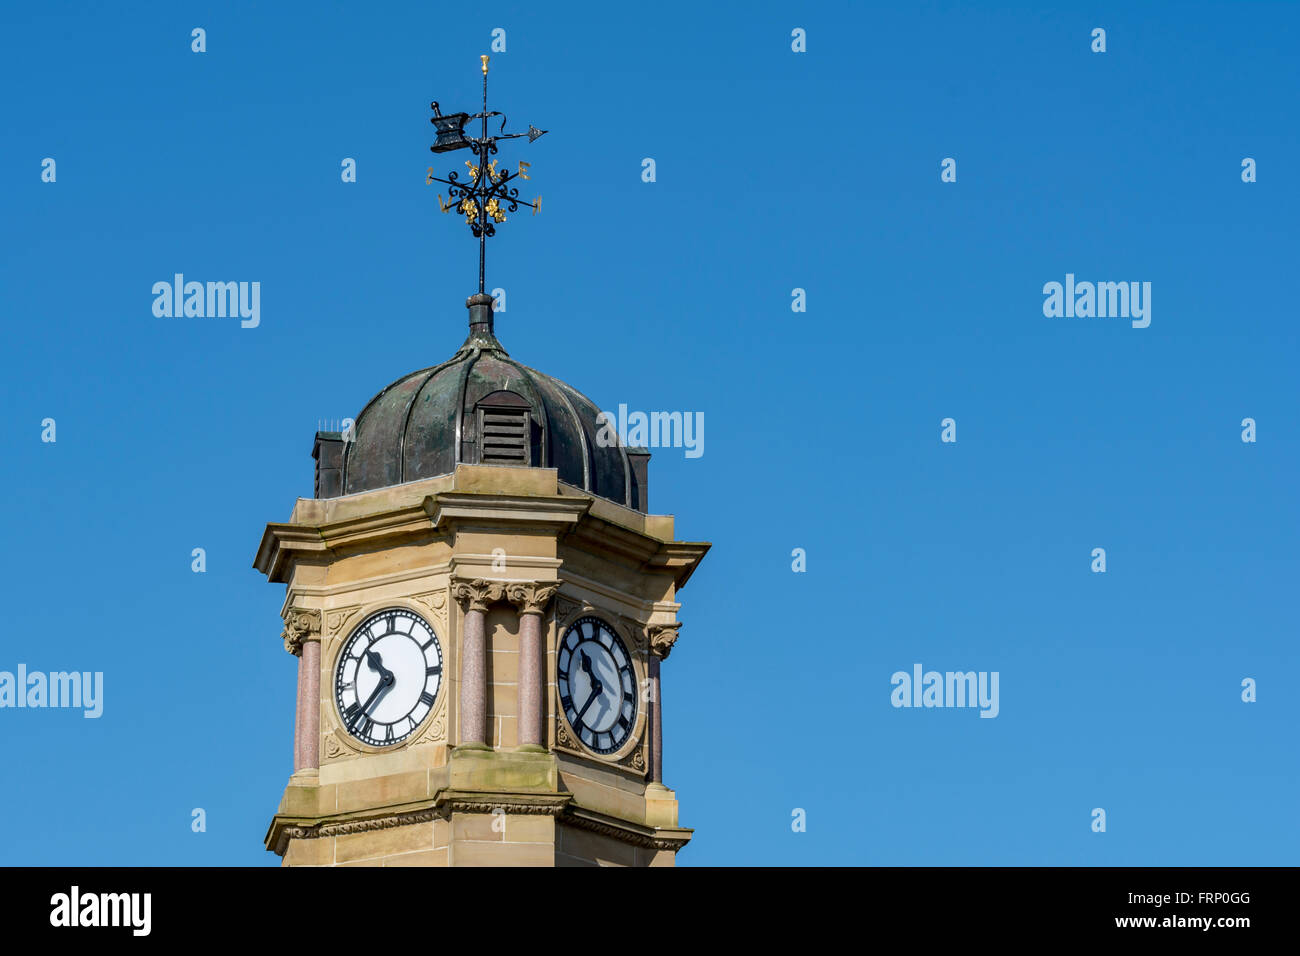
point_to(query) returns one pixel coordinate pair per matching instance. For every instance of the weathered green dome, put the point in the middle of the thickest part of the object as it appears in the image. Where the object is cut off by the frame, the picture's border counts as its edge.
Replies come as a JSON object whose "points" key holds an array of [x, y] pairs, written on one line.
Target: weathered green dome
{"points": [[483, 407]]}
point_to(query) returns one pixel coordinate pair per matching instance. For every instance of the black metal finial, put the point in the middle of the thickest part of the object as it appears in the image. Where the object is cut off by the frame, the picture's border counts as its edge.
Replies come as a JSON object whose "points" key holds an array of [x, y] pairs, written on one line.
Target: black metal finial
{"points": [[481, 198]]}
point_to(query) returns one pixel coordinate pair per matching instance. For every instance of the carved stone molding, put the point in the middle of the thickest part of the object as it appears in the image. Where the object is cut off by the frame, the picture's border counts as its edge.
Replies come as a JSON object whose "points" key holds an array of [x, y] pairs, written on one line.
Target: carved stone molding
{"points": [[662, 637], [477, 594], [300, 625], [529, 597], [447, 803], [623, 834]]}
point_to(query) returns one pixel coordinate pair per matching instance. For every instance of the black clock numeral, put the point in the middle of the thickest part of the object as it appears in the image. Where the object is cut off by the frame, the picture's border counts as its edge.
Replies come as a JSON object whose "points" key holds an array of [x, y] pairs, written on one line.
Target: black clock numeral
{"points": [[433, 671], [624, 723], [367, 725], [388, 732], [567, 703], [426, 698], [350, 715], [425, 645]]}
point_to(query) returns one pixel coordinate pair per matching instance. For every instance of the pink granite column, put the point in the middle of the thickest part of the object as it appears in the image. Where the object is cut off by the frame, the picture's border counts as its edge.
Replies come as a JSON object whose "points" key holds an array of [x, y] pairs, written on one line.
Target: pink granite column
{"points": [[656, 724], [297, 714], [311, 711], [661, 638], [302, 639], [531, 599], [474, 596], [473, 679]]}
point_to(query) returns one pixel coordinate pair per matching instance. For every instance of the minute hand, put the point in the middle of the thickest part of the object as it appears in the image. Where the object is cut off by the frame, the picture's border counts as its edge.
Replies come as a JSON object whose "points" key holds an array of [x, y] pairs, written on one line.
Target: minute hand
{"points": [[596, 691]]}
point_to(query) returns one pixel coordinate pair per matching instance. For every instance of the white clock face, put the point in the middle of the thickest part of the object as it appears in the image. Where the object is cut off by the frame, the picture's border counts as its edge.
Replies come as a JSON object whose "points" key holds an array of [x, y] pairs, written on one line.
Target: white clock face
{"points": [[597, 685], [387, 677]]}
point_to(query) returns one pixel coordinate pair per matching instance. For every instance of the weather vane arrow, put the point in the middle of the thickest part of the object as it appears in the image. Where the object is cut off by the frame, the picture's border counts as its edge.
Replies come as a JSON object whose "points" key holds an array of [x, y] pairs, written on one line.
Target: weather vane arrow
{"points": [[486, 196]]}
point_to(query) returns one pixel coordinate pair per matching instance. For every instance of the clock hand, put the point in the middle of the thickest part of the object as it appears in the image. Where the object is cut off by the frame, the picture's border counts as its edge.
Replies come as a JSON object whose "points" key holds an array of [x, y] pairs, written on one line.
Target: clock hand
{"points": [[386, 682], [377, 664], [596, 690]]}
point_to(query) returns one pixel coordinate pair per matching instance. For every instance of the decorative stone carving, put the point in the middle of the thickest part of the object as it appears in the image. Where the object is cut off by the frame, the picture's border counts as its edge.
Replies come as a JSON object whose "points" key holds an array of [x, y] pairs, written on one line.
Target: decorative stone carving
{"points": [[635, 760], [300, 625], [565, 608], [662, 637], [436, 732], [336, 619], [477, 595], [563, 738], [530, 598], [335, 748], [436, 602]]}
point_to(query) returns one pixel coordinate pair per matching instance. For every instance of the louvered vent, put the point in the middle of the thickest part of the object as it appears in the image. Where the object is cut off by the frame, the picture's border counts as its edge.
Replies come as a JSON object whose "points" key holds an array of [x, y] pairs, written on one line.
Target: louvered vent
{"points": [[505, 430]]}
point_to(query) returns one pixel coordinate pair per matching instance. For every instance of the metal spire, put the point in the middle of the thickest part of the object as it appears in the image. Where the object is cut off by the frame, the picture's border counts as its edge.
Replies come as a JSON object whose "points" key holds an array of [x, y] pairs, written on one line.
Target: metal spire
{"points": [[480, 198]]}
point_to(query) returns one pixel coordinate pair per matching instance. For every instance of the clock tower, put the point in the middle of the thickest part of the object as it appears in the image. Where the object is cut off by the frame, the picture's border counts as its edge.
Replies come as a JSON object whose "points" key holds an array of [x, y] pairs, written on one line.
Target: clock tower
{"points": [[480, 604]]}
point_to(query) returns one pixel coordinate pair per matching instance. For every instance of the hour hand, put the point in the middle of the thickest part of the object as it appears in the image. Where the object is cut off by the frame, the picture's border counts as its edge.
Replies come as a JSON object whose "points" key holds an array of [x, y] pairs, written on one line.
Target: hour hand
{"points": [[377, 665]]}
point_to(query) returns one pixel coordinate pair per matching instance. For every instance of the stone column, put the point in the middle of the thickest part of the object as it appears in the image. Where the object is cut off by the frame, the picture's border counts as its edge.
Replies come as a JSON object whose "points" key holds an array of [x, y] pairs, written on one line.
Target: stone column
{"points": [[661, 640], [531, 600], [302, 638], [474, 596]]}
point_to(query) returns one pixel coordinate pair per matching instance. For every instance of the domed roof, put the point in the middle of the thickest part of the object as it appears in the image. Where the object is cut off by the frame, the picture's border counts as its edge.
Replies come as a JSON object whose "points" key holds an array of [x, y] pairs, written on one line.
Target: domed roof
{"points": [[483, 407]]}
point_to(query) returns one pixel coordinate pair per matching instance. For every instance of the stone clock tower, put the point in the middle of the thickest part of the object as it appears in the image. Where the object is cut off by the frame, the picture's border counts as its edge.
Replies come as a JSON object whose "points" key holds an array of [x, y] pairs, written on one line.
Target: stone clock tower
{"points": [[480, 604]]}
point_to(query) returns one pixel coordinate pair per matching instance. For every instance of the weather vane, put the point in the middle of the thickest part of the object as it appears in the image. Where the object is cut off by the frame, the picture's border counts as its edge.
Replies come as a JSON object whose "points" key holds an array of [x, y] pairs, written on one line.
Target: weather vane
{"points": [[486, 196]]}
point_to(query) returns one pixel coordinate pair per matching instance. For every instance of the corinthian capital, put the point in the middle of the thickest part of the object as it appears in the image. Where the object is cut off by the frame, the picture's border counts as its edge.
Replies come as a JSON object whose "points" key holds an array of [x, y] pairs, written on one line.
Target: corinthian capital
{"points": [[300, 625], [477, 594], [530, 598], [662, 637]]}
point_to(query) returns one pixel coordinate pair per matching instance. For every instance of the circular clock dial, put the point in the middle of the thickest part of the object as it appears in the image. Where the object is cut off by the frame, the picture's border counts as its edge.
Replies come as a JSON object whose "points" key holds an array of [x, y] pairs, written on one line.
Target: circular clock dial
{"points": [[387, 677], [597, 685]]}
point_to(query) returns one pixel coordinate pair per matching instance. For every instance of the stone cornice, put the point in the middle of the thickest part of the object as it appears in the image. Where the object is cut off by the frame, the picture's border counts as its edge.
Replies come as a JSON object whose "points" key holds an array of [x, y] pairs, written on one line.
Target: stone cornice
{"points": [[680, 557], [284, 543], [649, 838], [483, 510], [286, 828]]}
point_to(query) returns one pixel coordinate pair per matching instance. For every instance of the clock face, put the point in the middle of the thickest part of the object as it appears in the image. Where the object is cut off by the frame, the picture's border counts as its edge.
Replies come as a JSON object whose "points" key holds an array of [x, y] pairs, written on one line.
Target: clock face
{"points": [[597, 685], [387, 677]]}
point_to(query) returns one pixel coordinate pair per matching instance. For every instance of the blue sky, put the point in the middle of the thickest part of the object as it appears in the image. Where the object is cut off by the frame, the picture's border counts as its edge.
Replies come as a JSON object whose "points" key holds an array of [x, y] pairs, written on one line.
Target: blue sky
{"points": [[775, 170]]}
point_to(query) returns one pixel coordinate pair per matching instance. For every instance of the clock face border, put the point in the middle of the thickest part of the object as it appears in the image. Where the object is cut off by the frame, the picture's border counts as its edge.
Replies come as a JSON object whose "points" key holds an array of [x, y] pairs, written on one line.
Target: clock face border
{"points": [[617, 756], [345, 640]]}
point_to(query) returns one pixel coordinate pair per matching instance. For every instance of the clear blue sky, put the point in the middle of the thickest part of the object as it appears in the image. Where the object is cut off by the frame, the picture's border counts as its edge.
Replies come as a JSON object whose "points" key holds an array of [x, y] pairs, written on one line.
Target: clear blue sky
{"points": [[775, 170]]}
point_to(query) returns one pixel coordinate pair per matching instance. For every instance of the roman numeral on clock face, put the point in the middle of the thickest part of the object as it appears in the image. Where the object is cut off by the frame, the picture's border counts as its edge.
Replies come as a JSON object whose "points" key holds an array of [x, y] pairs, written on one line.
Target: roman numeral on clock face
{"points": [[427, 699]]}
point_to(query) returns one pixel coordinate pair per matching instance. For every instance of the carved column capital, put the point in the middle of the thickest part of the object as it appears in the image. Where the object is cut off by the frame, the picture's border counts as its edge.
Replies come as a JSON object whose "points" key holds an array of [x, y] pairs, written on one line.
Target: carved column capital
{"points": [[529, 597], [300, 626], [477, 595], [662, 637]]}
